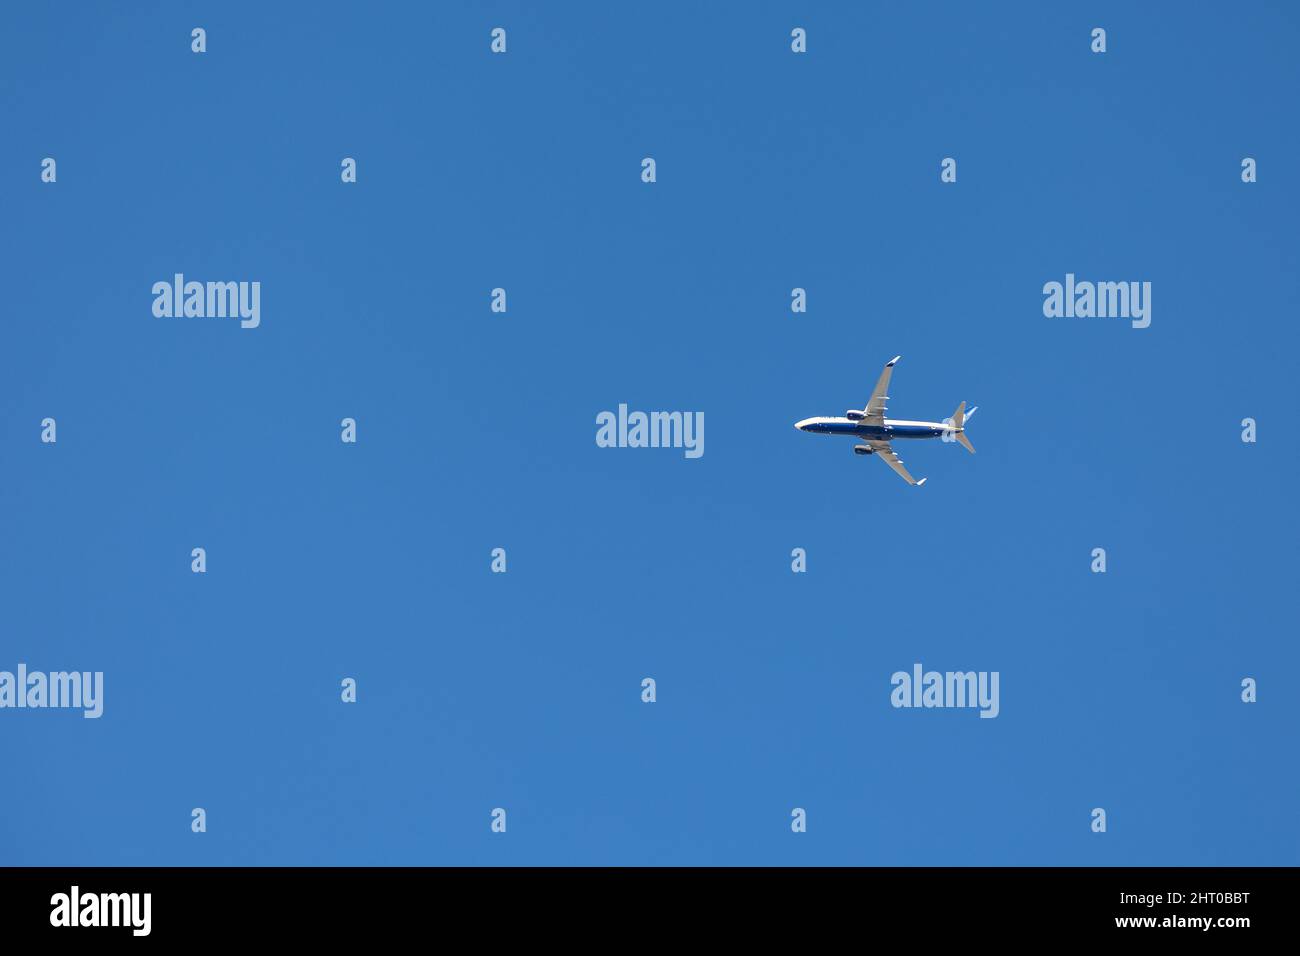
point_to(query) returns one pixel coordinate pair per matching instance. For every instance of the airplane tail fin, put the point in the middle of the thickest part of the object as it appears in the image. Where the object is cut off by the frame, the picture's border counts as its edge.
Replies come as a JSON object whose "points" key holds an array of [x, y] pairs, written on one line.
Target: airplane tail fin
{"points": [[959, 420]]}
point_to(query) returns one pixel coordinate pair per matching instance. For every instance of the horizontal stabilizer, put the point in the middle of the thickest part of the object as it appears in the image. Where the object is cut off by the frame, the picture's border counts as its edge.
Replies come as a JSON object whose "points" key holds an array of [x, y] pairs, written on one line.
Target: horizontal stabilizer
{"points": [[958, 423]]}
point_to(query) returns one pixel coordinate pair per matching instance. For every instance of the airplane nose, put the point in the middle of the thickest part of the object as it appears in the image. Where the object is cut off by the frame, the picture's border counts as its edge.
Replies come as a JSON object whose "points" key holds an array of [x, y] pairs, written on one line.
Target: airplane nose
{"points": [[800, 425]]}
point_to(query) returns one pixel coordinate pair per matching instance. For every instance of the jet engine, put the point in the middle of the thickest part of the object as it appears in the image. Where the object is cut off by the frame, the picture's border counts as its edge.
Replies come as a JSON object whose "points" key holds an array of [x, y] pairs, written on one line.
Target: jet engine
{"points": [[854, 415], [863, 450]]}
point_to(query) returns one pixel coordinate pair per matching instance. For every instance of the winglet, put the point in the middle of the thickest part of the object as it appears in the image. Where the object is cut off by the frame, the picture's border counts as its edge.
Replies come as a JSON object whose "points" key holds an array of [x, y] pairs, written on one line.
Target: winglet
{"points": [[893, 361], [921, 482]]}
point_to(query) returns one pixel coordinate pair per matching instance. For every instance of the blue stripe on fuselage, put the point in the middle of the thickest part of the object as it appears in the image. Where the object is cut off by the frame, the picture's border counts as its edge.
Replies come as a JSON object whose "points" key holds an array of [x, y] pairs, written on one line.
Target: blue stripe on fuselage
{"points": [[875, 432]]}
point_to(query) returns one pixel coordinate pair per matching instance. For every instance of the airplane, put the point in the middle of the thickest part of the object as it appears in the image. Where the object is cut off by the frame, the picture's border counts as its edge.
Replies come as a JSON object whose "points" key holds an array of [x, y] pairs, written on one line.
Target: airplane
{"points": [[877, 431]]}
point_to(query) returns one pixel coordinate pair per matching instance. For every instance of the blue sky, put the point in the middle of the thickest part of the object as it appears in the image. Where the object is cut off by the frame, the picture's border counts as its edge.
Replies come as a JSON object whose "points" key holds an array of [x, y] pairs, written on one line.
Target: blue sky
{"points": [[476, 431]]}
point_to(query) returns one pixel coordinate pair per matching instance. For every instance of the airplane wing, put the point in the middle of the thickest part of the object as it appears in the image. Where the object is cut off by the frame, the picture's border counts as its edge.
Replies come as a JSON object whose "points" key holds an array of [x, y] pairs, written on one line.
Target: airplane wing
{"points": [[886, 453], [874, 414]]}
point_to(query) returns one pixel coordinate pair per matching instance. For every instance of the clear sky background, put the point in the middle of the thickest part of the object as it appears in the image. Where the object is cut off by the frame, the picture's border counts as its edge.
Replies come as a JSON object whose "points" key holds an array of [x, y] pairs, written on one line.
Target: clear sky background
{"points": [[476, 430]]}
